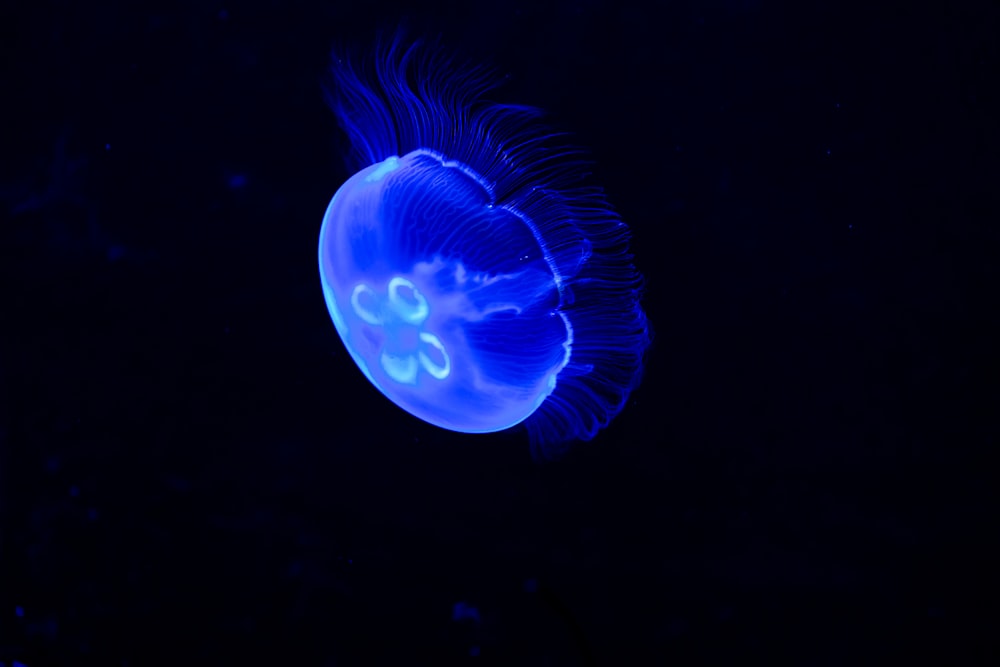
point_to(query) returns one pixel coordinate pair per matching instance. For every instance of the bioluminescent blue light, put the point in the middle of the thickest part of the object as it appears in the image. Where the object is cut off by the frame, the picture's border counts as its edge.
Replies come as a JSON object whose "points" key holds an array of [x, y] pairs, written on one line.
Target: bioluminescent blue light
{"points": [[473, 277]]}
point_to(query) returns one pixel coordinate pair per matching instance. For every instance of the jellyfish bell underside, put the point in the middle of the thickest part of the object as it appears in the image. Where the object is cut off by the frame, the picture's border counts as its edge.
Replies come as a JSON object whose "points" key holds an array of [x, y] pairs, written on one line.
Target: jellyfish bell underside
{"points": [[445, 302], [470, 283]]}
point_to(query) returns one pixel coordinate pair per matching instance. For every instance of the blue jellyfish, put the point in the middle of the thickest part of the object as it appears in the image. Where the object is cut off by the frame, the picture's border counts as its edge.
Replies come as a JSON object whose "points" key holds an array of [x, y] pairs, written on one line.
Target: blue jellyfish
{"points": [[473, 277]]}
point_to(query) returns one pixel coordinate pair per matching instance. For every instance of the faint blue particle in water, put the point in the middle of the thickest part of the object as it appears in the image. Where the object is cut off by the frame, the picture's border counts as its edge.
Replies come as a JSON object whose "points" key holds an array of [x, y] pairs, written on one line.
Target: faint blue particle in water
{"points": [[461, 611], [19, 612], [471, 276]]}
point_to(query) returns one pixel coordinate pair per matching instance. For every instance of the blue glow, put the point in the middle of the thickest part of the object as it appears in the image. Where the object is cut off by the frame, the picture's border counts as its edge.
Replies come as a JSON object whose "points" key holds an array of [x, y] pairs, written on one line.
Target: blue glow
{"points": [[461, 611], [471, 277]]}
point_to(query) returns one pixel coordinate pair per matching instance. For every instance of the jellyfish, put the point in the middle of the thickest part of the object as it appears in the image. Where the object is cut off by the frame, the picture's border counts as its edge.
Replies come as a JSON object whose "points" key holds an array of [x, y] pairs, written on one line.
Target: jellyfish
{"points": [[474, 276]]}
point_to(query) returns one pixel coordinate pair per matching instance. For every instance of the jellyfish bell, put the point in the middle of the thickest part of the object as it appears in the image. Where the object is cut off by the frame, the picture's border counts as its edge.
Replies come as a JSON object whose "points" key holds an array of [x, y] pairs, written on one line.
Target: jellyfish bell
{"points": [[472, 278]]}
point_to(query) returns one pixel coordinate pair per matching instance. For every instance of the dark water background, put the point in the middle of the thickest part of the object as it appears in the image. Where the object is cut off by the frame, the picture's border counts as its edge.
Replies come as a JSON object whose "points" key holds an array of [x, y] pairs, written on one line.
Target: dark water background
{"points": [[194, 472]]}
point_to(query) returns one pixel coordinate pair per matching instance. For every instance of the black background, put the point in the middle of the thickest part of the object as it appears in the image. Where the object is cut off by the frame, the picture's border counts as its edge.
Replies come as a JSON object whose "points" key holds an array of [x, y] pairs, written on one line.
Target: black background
{"points": [[194, 472]]}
